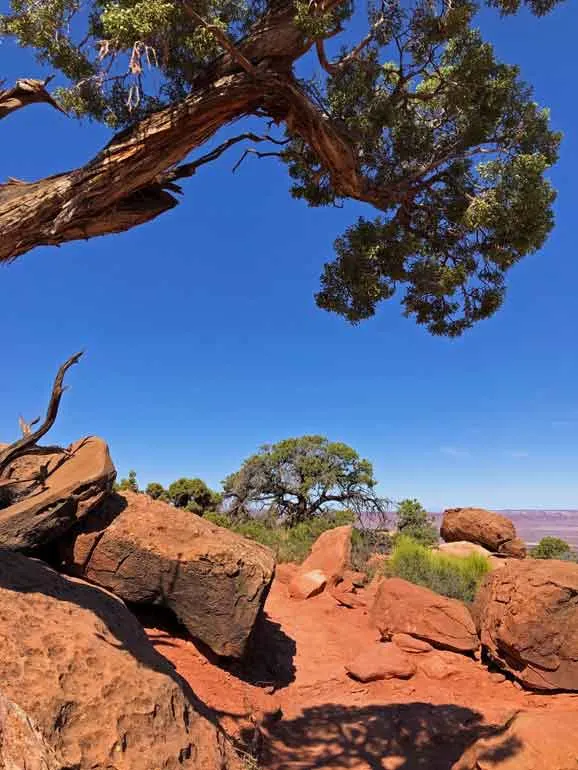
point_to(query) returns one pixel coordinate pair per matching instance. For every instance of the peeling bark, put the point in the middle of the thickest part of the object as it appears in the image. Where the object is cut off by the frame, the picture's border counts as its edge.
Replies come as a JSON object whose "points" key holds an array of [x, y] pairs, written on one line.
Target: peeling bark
{"points": [[129, 182]]}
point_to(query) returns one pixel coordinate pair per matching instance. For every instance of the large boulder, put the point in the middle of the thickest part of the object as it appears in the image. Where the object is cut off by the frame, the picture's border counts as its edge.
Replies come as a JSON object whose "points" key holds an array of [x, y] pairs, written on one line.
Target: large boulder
{"points": [[527, 617], [476, 525], [22, 746], [149, 552], [77, 482], [401, 607], [535, 740], [330, 556], [75, 660]]}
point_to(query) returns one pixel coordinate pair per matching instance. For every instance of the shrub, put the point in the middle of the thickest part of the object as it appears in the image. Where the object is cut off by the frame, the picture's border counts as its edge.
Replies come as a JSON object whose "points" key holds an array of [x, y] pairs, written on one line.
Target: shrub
{"points": [[129, 484], [287, 543], [551, 548], [451, 576], [414, 521]]}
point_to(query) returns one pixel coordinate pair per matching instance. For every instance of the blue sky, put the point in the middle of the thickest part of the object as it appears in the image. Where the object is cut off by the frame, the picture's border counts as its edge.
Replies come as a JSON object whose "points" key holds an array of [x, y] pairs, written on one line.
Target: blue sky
{"points": [[203, 340]]}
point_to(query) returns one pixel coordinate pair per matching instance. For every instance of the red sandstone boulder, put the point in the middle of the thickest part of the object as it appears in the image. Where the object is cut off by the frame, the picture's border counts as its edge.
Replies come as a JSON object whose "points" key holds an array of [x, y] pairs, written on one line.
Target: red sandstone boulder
{"points": [[527, 617], [76, 661], [489, 529], [441, 664], [149, 552], [329, 555], [308, 584], [409, 643], [21, 743], [401, 607], [537, 740], [381, 661], [76, 483]]}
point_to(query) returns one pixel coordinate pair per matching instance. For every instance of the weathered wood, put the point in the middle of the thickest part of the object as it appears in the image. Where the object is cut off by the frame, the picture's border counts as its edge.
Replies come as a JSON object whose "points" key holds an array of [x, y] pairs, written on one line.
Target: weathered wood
{"points": [[130, 181], [25, 91], [28, 441]]}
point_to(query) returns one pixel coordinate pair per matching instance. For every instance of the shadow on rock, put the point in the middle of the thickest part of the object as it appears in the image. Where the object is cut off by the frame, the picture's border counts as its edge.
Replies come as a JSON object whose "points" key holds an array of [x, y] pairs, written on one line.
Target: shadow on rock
{"points": [[268, 661], [412, 736]]}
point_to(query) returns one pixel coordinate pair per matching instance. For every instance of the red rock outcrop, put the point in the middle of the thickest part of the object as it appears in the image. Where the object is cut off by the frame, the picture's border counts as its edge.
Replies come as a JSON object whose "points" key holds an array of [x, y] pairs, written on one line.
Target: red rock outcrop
{"points": [[476, 525], [527, 617], [76, 661], [308, 584], [149, 552], [76, 483], [21, 743], [401, 607]]}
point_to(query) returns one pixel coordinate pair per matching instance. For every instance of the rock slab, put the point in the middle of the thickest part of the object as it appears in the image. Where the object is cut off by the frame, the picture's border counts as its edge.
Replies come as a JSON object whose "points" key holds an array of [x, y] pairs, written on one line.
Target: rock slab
{"points": [[486, 528], [527, 617], [401, 607], [22, 746], [77, 484], [381, 661], [149, 552], [77, 662]]}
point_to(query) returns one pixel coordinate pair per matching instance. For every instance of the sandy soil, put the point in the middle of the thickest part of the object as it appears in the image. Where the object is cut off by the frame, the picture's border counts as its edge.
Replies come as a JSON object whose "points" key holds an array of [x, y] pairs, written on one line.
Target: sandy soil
{"points": [[293, 705]]}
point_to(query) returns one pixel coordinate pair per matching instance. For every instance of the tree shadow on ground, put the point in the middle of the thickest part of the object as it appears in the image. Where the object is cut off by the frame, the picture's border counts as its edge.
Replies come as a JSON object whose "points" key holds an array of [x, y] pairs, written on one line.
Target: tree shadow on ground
{"points": [[409, 736]]}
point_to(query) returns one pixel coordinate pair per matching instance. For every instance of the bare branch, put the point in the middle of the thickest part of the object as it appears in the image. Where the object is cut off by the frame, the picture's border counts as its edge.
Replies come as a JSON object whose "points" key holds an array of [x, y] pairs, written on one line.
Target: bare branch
{"points": [[26, 91], [21, 447], [253, 151], [188, 169]]}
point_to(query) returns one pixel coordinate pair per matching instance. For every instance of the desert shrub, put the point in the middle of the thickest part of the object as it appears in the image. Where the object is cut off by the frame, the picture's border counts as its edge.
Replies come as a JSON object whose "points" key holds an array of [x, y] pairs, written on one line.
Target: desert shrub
{"points": [[129, 484], [552, 548], [451, 576], [287, 543], [364, 544], [156, 491], [414, 521]]}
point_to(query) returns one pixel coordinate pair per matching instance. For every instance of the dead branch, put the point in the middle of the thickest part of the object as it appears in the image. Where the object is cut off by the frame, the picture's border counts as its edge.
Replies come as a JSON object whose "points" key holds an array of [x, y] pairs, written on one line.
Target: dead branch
{"points": [[26, 91], [253, 151], [188, 169], [27, 442]]}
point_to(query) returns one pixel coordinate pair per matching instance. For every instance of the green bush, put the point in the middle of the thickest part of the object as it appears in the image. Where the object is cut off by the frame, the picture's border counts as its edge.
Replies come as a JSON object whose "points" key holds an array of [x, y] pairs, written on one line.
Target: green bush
{"points": [[414, 521], [287, 543], [551, 548], [451, 576]]}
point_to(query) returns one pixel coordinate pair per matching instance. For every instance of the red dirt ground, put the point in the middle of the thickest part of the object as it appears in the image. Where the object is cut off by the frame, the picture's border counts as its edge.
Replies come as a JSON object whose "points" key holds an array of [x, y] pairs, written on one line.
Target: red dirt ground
{"points": [[293, 705]]}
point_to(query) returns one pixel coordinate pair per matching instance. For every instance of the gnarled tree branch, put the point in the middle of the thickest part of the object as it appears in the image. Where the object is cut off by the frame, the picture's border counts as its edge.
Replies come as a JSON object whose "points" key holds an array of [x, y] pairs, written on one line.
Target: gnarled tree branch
{"points": [[27, 442], [26, 91]]}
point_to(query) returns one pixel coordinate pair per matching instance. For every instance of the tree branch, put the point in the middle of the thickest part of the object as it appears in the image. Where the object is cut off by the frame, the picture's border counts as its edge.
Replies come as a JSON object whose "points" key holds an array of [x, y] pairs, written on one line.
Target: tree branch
{"points": [[21, 447], [26, 91]]}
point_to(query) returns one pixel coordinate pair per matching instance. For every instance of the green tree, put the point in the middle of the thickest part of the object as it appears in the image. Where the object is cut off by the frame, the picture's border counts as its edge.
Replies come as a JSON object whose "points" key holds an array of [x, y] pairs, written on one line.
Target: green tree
{"points": [[129, 484], [300, 477], [194, 495], [414, 521], [156, 491], [417, 118], [550, 548]]}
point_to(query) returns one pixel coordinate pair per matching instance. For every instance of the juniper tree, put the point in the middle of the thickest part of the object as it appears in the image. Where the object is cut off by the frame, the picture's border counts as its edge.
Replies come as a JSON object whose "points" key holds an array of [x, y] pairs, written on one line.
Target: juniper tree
{"points": [[418, 119], [298, 478]]}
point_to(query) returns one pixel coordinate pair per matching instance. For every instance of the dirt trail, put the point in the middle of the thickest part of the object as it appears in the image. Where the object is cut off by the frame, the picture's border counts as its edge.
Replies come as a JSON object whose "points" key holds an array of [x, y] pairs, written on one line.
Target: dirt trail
{"points": [[294, 705]]}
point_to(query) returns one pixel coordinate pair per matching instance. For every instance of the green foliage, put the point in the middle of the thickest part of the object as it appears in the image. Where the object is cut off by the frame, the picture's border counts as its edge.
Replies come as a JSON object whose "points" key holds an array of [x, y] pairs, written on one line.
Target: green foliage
{"points": [[551, 548], [194, 495], [451, 576], [129, 484], [415, 522], [156, 491], [298, 478], [289, 544]]}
